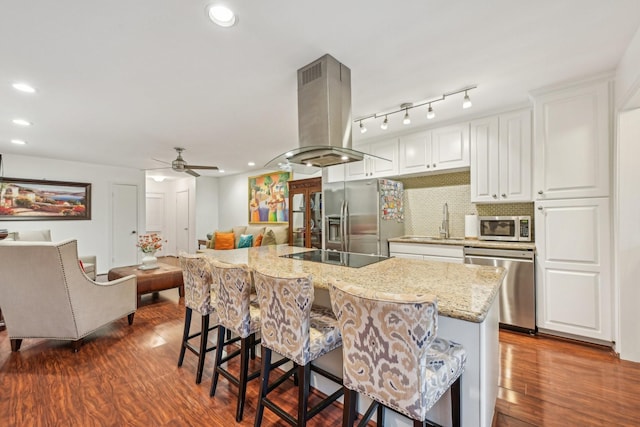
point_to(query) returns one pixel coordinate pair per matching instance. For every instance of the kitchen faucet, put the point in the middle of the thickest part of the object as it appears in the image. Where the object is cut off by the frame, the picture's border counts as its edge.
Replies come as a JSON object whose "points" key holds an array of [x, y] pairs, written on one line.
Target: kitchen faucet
{"points": [[444, 228]]}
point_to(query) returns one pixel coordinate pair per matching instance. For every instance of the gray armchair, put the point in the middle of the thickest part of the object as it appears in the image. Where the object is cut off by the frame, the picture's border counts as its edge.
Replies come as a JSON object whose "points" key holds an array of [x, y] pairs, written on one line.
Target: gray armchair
{"points": [[44, 294]]}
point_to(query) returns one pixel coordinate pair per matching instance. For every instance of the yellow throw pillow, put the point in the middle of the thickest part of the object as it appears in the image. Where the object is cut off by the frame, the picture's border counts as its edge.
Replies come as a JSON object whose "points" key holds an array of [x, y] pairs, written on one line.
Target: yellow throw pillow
{"points": [[224, 241]]}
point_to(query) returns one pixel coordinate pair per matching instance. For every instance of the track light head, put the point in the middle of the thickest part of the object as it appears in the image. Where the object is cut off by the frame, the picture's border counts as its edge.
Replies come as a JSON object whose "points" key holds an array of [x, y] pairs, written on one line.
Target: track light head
{"points": [[385, 124], [430, 113], [407, 119], [363, 128], [466, 103]]}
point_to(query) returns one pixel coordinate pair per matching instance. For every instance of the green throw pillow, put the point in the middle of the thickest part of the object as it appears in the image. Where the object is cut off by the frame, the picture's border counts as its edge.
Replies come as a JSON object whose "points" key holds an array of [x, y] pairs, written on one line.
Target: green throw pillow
{"points": [[246, 241], [269, 238]]}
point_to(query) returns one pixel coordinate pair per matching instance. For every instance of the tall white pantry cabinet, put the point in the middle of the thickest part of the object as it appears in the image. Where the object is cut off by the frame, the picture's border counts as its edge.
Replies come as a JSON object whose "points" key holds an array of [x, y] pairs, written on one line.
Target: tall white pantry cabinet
{"points": [[572, 138]]}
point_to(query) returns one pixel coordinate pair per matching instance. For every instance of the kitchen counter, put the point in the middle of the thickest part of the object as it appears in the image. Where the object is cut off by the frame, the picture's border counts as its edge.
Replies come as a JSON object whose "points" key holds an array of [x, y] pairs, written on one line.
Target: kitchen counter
{"points": [[468, 313], [464, 292], [460, 241]]}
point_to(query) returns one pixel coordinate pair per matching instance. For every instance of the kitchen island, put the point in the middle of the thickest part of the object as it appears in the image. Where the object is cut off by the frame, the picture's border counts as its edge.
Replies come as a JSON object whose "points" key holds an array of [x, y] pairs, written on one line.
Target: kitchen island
{"points": [[467, 313]]}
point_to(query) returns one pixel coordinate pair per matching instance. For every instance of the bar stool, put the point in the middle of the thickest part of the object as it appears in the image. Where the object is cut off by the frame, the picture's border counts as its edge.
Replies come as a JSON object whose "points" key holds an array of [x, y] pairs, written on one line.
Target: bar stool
{"points": [[299, 332], [196, 274], [237, 314], [392, 355]]}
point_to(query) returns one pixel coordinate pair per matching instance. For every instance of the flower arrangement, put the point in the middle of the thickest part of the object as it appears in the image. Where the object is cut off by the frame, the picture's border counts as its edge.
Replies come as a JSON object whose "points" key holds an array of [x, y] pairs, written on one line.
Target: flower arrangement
{"points": [[149, 243]]}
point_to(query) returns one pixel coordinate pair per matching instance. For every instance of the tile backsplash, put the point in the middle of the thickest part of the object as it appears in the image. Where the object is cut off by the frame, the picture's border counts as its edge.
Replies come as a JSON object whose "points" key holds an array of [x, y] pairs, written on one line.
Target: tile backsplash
{"points": [[425, 196]]}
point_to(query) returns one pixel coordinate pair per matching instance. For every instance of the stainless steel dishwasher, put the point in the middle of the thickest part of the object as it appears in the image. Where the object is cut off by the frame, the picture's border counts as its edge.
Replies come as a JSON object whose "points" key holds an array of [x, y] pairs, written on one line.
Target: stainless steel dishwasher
{"points": [[518, 291]]}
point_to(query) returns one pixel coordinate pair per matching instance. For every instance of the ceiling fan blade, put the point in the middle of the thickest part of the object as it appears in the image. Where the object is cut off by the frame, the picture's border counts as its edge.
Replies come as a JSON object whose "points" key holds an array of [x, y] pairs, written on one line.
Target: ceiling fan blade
{"points": [[201, 167], [155, 169], [161, 161], [192, 173]]}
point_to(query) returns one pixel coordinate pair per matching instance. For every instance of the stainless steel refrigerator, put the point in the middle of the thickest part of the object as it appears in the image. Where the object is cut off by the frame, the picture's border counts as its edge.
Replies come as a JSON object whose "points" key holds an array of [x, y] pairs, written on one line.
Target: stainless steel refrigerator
{"points": [[360, 216]]}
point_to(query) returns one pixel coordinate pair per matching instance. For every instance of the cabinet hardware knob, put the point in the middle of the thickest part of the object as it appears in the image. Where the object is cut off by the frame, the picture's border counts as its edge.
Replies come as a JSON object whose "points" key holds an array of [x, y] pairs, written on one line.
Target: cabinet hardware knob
{"points": [[539, 208], [495, 196], [540, 192], [504, 195], [428, 166], [434, 165]]}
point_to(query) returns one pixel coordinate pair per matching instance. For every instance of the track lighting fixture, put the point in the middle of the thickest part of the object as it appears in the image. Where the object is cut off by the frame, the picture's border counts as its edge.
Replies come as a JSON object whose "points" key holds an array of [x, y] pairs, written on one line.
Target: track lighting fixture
{"points": [[466, 103], [430, 113], [384, 124], [408, 106]]}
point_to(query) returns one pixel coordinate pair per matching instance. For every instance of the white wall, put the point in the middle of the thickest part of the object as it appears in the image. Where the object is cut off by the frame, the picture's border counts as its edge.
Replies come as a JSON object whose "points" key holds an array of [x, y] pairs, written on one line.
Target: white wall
{"points": [[92, 235], [628, 75], [207, 195], [627, 216]]}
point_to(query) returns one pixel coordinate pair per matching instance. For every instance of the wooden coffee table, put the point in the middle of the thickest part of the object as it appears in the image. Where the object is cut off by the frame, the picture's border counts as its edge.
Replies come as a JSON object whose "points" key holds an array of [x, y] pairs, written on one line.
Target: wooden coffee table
{"points": [[164, 277]]}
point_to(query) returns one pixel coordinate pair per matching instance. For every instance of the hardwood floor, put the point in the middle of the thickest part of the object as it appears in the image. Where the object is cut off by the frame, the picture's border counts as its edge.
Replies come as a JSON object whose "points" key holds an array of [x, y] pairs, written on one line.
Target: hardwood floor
{"points": [[127, 376]]}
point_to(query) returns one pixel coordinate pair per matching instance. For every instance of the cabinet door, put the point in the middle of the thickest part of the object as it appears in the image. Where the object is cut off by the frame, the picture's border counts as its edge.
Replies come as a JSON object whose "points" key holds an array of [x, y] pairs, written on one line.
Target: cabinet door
{"points": [[573, 280], [415, 153], [485, 163], [572, 143], [450, 147], [385, 150], [358, 170], [336, 173], [515, 157]]}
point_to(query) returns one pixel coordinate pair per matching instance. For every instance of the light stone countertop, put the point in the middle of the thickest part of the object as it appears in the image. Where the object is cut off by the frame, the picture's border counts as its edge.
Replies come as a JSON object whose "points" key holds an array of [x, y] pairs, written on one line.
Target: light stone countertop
{"points": [[464, 291], [429, 240]]}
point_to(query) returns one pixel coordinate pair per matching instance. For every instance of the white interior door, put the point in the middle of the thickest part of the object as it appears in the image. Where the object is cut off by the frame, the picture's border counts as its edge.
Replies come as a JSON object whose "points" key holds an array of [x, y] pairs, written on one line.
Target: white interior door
{"points": [[182, 221], [124, 214], [155, 216]]}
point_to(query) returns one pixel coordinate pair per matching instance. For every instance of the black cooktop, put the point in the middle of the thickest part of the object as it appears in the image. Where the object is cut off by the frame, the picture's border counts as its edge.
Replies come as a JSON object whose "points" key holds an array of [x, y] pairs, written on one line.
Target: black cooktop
{"points": [[345, 259]]}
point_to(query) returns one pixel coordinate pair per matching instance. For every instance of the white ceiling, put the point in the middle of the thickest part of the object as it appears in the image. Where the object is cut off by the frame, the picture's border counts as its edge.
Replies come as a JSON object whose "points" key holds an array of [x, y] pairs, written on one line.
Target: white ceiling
{"points": [[122, 82]]}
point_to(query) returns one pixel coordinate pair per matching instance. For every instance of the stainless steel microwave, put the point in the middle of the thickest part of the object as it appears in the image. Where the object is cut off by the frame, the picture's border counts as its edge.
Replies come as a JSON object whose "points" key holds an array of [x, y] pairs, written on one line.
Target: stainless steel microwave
{"points": [[505, 228]]}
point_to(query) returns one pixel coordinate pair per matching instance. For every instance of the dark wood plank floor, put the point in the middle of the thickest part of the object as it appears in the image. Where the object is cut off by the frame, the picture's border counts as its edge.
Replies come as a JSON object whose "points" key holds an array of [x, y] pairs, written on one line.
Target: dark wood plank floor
{"points": [[127, 376]]}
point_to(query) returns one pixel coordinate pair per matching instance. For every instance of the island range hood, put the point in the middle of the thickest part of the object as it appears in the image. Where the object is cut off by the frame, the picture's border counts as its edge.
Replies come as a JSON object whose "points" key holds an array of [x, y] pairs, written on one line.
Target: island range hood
{"points": [[324, 117]]}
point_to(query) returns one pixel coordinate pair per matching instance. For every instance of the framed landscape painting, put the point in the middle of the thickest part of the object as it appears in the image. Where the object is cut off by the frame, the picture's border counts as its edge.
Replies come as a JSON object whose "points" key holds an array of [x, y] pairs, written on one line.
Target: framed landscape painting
{"points": [[30, 199], [269, 198]]}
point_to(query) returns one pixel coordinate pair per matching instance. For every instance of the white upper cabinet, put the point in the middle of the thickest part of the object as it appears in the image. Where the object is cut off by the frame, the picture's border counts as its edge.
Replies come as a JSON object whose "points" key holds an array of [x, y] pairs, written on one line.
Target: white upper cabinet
{"points": [[501, 158], [571, 145], [375, 167], [435, 150]]}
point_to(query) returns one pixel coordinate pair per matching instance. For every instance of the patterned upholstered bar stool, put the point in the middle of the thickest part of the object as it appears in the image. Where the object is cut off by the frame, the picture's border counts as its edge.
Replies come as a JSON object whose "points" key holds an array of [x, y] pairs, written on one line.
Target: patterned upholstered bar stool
{"points": [[196, 274], [236, 313], [391, 354], [294, 328]]}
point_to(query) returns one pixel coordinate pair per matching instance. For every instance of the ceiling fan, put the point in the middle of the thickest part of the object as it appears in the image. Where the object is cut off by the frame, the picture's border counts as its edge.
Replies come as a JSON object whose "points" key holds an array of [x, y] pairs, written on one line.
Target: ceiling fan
{"points": [[180, 165]]}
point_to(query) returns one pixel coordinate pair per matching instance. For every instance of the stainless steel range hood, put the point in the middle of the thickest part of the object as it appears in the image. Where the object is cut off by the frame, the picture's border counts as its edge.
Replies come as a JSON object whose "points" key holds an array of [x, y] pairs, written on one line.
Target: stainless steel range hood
{"points": [[324, 117]]}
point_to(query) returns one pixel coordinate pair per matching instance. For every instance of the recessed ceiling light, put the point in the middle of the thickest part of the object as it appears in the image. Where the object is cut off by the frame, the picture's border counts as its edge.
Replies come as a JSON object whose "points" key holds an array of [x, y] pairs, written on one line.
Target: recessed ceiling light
{"points": [[251, 163], [222, 15], [221, 170], [18, 142], [24, 87], [21, 122], [158, 178]]}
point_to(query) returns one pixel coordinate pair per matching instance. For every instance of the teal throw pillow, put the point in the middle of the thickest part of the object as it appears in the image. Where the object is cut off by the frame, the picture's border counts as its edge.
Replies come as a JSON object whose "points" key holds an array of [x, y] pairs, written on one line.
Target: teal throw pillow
{"points": [[246, 241]]}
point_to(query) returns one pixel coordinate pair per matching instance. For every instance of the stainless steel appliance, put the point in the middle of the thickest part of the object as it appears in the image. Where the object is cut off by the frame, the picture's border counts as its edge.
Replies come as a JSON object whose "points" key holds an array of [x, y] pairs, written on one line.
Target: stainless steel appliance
{"points": [[360, 216], [517, 293], [505, 228]]}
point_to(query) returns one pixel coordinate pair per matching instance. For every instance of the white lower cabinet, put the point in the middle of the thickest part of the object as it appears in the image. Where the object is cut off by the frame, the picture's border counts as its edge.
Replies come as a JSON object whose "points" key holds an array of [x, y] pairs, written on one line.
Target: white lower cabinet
{"points": [[429, 252], [573, 268]]}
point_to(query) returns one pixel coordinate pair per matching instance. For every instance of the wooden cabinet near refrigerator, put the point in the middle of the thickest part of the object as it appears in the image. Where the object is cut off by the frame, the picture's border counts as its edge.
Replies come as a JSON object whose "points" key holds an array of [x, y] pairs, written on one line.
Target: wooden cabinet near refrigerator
{"points": [[305, 216]]}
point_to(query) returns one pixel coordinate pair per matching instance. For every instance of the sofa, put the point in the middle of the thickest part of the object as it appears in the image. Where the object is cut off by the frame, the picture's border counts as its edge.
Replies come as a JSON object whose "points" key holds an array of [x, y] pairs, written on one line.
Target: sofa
{"points": [[248, 235]]}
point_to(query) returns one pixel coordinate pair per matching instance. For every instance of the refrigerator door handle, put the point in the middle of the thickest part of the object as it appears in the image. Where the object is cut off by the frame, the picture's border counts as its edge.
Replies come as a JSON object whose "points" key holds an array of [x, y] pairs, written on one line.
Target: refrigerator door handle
{"points": [[343, 235], [346, 226]]}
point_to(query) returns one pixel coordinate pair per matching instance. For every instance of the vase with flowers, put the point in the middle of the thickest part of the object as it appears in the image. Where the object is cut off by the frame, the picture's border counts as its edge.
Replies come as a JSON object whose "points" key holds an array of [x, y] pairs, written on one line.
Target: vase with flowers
{"points": [[149, 244]]}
